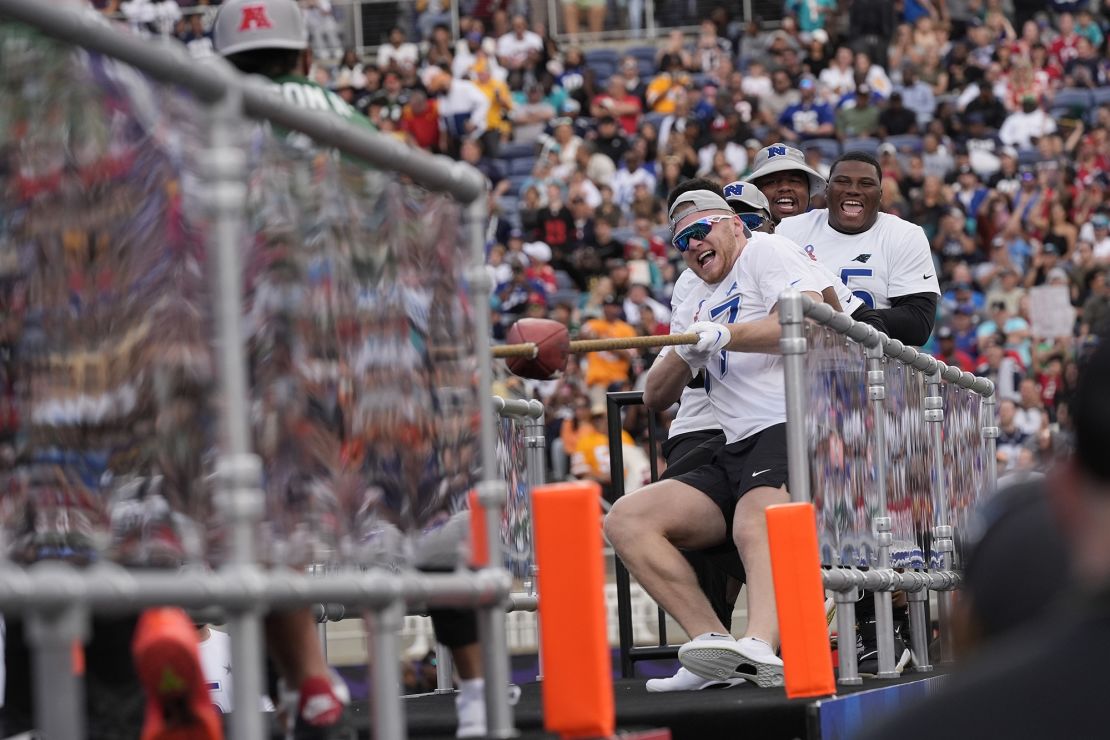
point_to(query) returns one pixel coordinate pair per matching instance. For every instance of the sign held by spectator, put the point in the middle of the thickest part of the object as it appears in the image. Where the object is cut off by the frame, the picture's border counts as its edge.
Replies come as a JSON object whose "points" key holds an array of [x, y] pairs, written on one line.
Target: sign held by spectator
{"points": [[1052, 312]]}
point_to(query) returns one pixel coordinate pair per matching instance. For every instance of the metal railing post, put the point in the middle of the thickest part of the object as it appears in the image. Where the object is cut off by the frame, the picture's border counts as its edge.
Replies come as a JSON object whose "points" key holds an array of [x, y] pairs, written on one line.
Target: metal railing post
{"points": [[536, 444], [388, 711], [59, 698], [876, 394], [793, 348], [491, 489], [445, 670], [847, 661], [622, 578], [942, 529], [240, 473], [990, 439]]}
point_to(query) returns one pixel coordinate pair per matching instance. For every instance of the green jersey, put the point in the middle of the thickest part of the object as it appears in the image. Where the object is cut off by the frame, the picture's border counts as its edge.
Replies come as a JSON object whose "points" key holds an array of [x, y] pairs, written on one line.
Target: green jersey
{"points": [[304, 93]]}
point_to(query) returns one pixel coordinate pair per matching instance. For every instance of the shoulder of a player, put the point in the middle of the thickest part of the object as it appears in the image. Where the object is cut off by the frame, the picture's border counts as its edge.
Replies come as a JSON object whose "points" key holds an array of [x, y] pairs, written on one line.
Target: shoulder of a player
{"points": [[684, 287], [899, 227]]}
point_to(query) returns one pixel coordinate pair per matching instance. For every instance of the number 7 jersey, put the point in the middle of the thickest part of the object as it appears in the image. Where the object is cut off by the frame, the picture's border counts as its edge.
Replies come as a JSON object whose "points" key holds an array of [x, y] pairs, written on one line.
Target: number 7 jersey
{"points": [[889, 260], [746, 389]]}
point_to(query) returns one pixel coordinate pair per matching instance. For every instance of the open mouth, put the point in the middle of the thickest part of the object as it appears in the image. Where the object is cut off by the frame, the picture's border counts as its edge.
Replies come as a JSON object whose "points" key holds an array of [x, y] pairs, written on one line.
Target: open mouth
{"points": [[852, 208], [786, 205], [706, 257]]}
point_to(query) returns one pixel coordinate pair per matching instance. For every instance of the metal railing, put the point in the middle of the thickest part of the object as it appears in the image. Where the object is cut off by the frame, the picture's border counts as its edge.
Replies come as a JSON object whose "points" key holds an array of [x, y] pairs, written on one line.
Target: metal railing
{"points": [[57, 597], [913, 441]]}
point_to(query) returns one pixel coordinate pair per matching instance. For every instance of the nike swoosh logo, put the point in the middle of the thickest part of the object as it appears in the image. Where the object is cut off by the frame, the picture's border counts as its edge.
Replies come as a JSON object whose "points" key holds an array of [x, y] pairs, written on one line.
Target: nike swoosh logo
{"points": [[761, 472], [926, 277], [796, 282]]}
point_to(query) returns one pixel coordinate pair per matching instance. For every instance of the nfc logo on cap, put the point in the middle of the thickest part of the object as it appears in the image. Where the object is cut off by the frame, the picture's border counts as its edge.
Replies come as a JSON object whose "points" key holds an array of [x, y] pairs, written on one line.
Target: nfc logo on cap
{"points": [[254, 18], [734, 189], [776, 151]]}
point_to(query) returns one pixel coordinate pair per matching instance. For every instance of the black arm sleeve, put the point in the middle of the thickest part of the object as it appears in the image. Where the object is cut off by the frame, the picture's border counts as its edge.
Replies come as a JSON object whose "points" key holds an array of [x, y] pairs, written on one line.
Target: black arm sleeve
{"points": [[910, 318], [866, 315]]}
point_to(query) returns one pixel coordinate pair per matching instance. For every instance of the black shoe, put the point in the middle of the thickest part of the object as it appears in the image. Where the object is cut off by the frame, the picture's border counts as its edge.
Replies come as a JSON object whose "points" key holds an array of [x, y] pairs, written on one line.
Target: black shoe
{"points": [[867, 649]]}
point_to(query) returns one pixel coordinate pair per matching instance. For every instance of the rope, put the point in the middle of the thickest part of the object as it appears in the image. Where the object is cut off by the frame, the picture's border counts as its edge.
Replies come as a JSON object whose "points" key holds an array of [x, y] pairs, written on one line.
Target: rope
{"points": [[579, 346]]}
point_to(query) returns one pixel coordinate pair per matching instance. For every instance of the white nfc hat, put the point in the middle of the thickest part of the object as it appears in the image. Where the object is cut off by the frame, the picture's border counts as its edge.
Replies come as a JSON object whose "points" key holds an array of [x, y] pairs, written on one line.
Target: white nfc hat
{"points": [[745, 197], [782, 158], [245, 25], [702, 200]]}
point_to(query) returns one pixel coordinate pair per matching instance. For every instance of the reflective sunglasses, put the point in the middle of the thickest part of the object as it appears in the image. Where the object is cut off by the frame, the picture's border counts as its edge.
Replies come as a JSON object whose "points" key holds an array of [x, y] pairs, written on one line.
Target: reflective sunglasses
{"points": [[752, 220], [697, 230]]}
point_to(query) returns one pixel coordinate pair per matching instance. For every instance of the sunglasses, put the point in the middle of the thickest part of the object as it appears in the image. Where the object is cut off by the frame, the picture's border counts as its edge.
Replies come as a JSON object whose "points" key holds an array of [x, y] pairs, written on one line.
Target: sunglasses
{"points": [[752, 220], [697, 230]]}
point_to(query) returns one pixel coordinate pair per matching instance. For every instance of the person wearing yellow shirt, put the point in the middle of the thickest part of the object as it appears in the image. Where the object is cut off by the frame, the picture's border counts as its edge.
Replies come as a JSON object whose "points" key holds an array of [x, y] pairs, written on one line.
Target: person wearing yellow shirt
{"points": [[498, 127], [667, 85], [590, 458], [603, 369]]}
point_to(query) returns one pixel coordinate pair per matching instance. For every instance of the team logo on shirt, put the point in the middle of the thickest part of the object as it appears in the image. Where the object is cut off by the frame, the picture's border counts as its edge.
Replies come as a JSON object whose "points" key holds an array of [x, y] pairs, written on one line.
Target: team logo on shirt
{"points": [[862, 258], [810, 251], [254, 18]]}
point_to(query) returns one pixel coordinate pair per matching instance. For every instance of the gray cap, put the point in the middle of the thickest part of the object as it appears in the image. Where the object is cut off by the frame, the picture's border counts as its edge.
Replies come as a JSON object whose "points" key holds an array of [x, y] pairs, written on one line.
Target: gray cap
{"points": [[782, 158], [703, 200], [744, 197], [245, 25]]}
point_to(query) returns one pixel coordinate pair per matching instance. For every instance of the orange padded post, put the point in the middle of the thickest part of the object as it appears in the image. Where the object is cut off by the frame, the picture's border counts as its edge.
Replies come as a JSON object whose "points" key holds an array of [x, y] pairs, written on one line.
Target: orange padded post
{"points": [[577, 678], [479, 543], [800, 599]]}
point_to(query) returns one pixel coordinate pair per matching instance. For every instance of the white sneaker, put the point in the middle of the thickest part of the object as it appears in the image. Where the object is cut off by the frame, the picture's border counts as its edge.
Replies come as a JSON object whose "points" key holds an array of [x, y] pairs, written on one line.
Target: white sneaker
{"points": [[470, 708], [721, 658], [471, 711], [683, 680]]}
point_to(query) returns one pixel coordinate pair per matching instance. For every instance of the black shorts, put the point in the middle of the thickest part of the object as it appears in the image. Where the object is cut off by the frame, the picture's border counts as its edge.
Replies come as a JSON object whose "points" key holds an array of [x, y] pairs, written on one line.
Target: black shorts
{"points": [[759, 460], [690, 450]]}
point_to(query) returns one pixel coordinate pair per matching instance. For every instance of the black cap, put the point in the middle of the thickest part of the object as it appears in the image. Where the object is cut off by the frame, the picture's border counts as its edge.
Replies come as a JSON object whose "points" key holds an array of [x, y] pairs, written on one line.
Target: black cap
{"points": [[944, 333], [610, 300]]}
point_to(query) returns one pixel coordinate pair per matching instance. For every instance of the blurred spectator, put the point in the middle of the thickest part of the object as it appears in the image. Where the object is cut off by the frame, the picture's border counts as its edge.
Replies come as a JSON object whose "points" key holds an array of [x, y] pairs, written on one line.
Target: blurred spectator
{"points": [[463, 109], [605, 369], [809, 118], [323, 29], [950, 354], [861, 119], [530, 118], [420, 120], [1023, 128], [618, 103], [397, 53], [1096, 309], [572, 15], [519, 51], [896, 119], [917, 96], [1029, 415]]}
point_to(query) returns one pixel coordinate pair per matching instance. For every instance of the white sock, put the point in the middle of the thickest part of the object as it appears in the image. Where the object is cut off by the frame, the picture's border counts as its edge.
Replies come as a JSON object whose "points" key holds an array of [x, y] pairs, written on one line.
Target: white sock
{"points": [[472, 688], [713, 636]]}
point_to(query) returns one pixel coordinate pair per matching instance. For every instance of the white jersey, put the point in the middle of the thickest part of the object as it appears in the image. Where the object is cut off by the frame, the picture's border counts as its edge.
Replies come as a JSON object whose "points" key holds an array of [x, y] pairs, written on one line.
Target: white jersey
{"points": [[694, 411], [889, 260], [215, 661], [746, 389]]}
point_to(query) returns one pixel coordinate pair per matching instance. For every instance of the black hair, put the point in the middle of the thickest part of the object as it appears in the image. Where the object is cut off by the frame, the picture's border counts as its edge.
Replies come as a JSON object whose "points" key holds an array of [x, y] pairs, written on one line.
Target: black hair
{"points": [[857, 156], [695, 183], [1091, 412], [267, 62]]}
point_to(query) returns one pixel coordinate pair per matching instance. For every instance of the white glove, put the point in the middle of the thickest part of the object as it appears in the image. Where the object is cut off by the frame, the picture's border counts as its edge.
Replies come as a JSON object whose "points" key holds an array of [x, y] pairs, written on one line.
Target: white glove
{"points": [[712, 338]]}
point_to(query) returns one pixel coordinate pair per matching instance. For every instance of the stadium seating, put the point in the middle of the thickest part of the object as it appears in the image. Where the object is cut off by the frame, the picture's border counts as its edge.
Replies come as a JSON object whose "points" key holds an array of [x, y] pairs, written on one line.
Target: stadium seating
{"points": [[862, 144], [829, 148]]}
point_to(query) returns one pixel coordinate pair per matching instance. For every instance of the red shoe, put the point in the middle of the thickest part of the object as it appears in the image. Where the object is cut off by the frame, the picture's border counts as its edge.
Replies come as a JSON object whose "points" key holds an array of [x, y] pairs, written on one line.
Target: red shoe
{"points": [[168, 663]]}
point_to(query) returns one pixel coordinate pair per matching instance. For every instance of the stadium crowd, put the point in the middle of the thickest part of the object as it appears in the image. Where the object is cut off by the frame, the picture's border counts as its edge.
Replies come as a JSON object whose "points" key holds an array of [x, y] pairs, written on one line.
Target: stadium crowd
{"points": [[990, 119]]}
